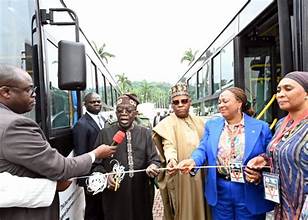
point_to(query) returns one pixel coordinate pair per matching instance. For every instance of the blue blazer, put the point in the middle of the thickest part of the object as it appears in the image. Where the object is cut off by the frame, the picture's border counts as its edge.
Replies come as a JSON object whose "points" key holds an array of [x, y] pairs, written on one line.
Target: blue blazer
{"points": [[257, 136]]}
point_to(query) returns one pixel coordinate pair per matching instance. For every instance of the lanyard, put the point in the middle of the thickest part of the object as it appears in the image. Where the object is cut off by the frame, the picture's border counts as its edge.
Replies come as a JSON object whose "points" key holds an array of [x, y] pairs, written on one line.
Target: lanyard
{"points": [[286, 128], [232, 134]]}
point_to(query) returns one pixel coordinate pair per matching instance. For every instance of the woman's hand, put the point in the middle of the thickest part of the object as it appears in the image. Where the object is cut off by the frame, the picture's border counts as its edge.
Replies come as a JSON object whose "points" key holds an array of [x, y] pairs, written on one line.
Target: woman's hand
{"points": [[253, 169], [186, 165], [172, 167], [252, 176], [257, 163]]}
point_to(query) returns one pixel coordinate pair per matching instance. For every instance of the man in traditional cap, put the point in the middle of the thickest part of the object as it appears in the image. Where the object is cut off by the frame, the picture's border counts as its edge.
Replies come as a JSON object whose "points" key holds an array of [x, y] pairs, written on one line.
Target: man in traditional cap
{"points": [[176, 137], [132, 200]]}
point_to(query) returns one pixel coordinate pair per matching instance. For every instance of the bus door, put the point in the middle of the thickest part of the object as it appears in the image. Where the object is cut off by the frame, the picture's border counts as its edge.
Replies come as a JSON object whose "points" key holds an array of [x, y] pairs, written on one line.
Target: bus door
{"points": [[258, 64], [305, 34], [260, 73]]}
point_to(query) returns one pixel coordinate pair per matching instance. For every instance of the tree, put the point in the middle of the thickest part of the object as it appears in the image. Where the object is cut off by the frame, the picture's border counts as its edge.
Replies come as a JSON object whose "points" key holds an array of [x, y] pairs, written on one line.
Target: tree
{"points": [[189, 56], [101, 52], [145, 91], [155, 92], [123, 82]]}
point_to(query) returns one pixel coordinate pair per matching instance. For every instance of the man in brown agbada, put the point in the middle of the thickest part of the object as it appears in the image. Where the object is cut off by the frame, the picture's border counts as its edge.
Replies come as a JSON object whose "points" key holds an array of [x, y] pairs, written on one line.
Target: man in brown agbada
{"points": [[176, 137]]}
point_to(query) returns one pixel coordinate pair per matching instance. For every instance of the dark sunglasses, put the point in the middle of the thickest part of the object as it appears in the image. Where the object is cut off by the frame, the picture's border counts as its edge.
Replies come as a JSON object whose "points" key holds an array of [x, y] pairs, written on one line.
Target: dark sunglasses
{"points": [[182, 101]]}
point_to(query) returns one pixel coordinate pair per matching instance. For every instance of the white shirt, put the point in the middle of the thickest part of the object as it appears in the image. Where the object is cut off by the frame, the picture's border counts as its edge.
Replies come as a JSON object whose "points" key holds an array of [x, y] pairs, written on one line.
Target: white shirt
{"points": [[98, 120], [25, 192], [157, 119]]}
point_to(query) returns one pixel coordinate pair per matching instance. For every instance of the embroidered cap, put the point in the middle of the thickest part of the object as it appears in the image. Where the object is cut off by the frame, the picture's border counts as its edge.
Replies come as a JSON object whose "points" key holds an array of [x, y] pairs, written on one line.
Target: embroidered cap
{"points": [[128, 98], [179, 89]]}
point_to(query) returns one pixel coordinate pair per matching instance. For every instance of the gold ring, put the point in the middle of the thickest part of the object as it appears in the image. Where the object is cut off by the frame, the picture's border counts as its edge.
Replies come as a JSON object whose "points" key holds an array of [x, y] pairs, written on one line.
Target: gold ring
{"points": [[251, 181]]}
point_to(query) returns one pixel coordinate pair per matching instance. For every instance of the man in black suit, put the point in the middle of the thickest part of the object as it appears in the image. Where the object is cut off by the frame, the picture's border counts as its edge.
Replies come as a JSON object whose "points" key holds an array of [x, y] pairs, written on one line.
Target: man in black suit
{"points": [[157, 119], [84, 133]]}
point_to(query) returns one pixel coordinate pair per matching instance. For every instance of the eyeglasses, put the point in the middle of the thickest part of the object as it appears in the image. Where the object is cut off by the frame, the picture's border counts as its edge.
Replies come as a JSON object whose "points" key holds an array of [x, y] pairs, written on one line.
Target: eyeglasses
{"points": [[30, 89], [33, 90], [182, 101]]}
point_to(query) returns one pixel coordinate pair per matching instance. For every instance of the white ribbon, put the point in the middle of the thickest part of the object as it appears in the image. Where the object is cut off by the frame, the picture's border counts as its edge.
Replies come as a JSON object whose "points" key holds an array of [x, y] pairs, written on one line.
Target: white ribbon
{"points": [[97, 182]]}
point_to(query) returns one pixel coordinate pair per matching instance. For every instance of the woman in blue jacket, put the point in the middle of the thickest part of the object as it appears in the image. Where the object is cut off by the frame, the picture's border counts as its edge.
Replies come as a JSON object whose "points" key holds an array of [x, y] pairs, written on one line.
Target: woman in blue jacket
{"points": [[229, 142]]}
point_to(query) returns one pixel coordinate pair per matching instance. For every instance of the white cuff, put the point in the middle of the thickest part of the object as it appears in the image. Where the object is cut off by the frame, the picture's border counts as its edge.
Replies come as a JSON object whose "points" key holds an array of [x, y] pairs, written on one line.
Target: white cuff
{"points": [[92, 155], [26, 192]]}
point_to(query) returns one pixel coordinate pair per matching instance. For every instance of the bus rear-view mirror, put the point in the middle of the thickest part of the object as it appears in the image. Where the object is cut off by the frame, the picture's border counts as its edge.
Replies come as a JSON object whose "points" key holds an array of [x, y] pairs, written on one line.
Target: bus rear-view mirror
{"points": [[72, 66]]}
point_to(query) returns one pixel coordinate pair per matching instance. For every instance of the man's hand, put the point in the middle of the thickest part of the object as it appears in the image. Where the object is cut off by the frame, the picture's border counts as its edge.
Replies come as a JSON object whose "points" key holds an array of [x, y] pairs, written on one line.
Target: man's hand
{"points": [[104, 151], [186, 165], [110, 182], [172, 167], [152, 170], [63, 185]]}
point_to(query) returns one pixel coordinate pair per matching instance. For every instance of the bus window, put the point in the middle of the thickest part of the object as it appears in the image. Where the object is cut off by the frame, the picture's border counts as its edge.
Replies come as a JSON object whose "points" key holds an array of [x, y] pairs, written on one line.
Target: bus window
{"points": [[204, 81], [91, 70], [115, 97], [227, 70], [216, 74], [210, 107], [201, 82], [101, 84], [15, 35], [192, 86], [111, 94], [60, 100], [223, 70], [108, 93]]}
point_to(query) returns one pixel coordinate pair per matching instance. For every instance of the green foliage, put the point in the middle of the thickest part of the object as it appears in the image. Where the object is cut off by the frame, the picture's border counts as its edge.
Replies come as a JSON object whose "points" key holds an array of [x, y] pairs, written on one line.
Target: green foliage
{"points": [[124, 83], [101, 52], [189, 56], [155, 92]]}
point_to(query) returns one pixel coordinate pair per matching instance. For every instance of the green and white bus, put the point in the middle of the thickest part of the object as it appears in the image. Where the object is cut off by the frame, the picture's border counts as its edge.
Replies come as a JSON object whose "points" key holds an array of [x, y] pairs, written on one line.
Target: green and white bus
{"points": [[29, 38], [265, 40]]}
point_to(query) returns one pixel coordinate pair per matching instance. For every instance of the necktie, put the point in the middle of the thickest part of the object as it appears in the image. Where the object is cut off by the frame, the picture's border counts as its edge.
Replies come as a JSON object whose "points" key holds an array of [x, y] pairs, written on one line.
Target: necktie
{"points": [[100, 122]]}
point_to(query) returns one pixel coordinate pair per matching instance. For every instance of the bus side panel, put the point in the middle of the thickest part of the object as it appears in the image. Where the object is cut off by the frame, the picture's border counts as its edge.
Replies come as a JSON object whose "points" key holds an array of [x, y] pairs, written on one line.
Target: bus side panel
{"points": [[305, 35]]}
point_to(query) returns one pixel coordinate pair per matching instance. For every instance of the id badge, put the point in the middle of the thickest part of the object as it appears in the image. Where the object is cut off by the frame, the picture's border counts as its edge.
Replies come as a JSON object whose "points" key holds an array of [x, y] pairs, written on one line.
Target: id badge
{"points": [[271, 186], [236, 172], [304, 213]]}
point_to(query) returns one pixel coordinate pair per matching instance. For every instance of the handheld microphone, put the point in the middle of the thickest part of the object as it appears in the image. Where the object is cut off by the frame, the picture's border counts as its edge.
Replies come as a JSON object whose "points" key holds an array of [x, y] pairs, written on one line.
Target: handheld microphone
{"points": [[118, 138]]}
